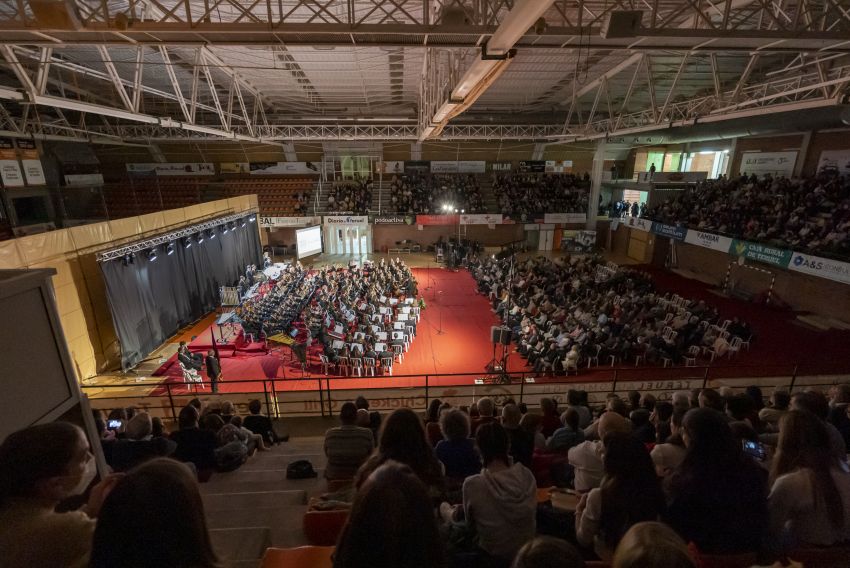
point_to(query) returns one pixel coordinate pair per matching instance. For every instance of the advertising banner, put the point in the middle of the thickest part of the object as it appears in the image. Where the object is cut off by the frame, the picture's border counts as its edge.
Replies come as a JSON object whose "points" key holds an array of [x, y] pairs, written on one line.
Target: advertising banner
{"points": [[761, 253], [391, 167], [10, 172], [578, 241], [532, 166], [283, 168], [417, 166], [347, 220], [773, 163], [173, 169], [835, 160], [672, 177], [289, 221], [821, 267], [638, 223], [234, 167], [394, 220], [708, 240], [33, 172], [672, 231], [559, 166], [437, 219], [458, 167], [565, 218], [501, 166], [83, 179], [481, 219]]}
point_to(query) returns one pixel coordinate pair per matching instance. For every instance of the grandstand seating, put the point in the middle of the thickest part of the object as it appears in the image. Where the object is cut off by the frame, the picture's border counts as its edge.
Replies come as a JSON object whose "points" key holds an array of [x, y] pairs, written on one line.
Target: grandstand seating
{"points": [[277, 195]]}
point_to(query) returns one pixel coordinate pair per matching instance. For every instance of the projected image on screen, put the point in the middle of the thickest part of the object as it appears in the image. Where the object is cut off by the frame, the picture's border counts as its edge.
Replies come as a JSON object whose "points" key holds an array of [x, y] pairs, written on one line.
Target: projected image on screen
{"points": [[309, 241]]}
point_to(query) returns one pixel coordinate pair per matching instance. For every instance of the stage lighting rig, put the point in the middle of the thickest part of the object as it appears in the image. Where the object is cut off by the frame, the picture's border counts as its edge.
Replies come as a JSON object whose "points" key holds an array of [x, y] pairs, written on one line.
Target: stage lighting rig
{"points": [[224, 229], [253, 218], [200, 237], [169, 249], [187, 242], [152, 255], [212, 233]]}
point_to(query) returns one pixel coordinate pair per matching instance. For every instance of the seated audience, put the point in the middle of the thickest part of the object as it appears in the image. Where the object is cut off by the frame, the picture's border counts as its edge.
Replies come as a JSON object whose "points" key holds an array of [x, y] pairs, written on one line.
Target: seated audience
{"points": [[586, 457], [652, 545], [374, 416], [809, 502], [532, 424], [457, 451], [486, 410], [817, 404], [548, 552], [778, 404], [810, 214], [521, 441], [231, 445], [551, 419], [500, 503], [402, 439], [193, 444], [391, 524], [630, 493], [524, 196], [139, 445], [260, 424], [153, 517], [667, 455], [432, 421], [40, 467], [839, 410], [569, 435], [717, 498], [347, 446]]}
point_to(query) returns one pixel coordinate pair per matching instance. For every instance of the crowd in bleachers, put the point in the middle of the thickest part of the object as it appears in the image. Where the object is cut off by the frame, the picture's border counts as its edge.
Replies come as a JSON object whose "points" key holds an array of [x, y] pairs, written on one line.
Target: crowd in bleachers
{"points": [[427, 194], [525, 195], [810, 214], [353, 196], [654, 483], [572, 312]]}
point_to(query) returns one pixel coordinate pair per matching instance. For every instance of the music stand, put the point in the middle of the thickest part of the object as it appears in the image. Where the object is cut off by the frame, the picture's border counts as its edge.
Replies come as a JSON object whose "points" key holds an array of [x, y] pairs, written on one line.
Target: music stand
{"points": [[440, 330]]}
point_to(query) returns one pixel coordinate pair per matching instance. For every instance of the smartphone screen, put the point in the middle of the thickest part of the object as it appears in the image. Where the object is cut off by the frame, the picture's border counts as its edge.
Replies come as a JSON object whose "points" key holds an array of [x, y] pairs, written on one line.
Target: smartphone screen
{"points": [[754, 449], [114, 424]]}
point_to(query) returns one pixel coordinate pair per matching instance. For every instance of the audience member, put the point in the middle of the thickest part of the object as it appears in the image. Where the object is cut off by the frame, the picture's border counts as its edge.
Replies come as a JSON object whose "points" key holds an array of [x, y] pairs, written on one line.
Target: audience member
{"points": [[139, 445], [778, 404], [402, 439], [391, 524], [193, 444], [457, 451], [525, 196], [839, 407], [548, 552], [153, 517], [809, 502], [260, 424], [486, 410], [586, 458], [569, 435], [532, 424], [521, 442], [500, 503], [717, 498], [652, 545], [551, 420], [432, 422], [630, 493], [668, 454], [40, 467], [347, 446]]}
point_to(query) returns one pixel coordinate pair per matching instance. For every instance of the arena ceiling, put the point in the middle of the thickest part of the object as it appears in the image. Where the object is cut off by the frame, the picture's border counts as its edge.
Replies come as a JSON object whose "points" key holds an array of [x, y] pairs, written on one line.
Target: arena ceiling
{"points": [[290, 70]]}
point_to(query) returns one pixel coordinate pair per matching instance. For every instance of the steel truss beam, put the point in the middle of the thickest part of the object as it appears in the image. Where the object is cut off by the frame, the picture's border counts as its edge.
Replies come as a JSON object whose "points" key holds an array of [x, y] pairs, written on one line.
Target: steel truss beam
{"points": [[733, 24], [159, 240]]}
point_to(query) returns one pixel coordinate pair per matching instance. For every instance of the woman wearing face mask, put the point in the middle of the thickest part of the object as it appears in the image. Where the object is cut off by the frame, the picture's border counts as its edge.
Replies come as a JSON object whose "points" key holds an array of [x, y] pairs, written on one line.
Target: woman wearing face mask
{"points": [[41, 466]]}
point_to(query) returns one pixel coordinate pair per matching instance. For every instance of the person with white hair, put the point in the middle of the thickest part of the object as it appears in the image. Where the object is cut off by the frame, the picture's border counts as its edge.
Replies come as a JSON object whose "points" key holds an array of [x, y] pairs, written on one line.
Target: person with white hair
{"points": [[681, 400], [139, 445], [486, 410]]}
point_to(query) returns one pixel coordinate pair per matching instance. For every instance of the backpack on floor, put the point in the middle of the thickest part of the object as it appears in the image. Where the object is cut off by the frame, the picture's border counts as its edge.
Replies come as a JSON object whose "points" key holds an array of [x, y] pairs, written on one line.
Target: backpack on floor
{"points": [[300, 469]]}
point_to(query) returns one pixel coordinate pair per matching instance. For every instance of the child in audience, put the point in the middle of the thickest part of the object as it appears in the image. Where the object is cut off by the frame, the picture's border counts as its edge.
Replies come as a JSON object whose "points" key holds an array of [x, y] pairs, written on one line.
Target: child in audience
{"points": [[391, 524], [153, 517], [40, 467]]}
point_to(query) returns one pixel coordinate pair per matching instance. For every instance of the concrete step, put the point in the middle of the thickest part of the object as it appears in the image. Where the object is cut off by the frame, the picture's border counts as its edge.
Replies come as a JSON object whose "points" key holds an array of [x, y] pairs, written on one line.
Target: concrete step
{"points": [[261, 480], [253, 499], [283, 523], [241, 544]]}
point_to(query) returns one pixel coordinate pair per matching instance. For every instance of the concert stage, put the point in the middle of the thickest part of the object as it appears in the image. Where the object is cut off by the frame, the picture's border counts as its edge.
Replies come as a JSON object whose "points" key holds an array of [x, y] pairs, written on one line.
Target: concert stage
{"points": [[453, 336]]}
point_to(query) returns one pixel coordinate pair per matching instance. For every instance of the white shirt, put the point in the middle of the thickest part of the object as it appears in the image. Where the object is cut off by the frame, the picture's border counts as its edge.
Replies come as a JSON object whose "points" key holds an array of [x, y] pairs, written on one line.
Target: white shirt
{"points": [[586, 458], [796, 510]]}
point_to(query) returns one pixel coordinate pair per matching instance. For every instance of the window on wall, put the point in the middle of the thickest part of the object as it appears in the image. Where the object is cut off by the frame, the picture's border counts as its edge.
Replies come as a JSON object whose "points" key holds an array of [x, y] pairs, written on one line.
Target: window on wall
{"points": [[632, 195], [713, 162], [672, 162], [656, 158]]}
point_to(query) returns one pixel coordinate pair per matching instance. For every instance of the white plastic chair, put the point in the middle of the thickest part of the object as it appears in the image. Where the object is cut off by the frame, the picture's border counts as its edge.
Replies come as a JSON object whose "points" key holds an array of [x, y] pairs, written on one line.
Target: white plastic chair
{"points": [[370, 364], [326, 364], [398, 352], [387, 363], [357, 365]]}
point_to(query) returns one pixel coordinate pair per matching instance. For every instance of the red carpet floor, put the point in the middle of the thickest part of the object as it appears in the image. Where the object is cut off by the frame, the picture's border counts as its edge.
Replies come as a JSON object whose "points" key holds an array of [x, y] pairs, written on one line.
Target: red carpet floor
{"points": [[453, 337]]}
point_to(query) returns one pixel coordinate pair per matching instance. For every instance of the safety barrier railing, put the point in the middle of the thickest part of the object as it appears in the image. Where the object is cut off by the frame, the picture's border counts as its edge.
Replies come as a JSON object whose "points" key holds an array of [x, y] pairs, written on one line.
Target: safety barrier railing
{"points": [[322, 394]]}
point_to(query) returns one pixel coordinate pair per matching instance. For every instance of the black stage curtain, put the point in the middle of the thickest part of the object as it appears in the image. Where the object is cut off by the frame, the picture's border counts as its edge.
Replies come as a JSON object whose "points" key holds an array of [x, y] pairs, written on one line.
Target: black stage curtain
{"points": [[151, 300]]}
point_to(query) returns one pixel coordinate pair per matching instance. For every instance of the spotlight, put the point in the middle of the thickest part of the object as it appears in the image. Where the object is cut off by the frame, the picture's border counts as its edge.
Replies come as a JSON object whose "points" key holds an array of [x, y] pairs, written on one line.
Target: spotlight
{"points": [[253, 218], [243, 222], [187, 242], [152, 255], [455, 209], [463, 211], [224, 229], [169, 248], [200, 237], [125, 260], [212, 233]]}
